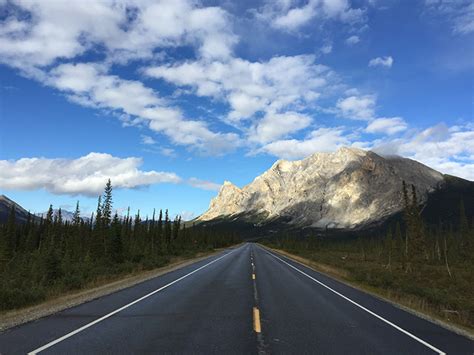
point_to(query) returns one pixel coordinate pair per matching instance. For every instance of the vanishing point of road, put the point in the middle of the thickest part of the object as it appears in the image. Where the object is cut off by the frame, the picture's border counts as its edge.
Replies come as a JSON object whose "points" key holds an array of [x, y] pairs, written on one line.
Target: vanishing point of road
{"points": [[244, 300]]}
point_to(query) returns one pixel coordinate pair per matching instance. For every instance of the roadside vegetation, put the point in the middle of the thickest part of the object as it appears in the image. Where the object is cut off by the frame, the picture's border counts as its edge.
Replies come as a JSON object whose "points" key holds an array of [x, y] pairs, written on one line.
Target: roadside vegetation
{"points": [[45, 259], [427, 268]]}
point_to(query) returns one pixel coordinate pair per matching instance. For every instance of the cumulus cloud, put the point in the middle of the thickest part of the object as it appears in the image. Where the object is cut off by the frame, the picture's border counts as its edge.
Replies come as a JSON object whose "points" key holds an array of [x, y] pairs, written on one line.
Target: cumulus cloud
{"points": [[86, 175], [357, 107], [254, 88], [320, 140], [385, 62], [447, 149], [290, 15], [37, 33], [276, 125], [387, 125], [352, 40], [88, 84]]}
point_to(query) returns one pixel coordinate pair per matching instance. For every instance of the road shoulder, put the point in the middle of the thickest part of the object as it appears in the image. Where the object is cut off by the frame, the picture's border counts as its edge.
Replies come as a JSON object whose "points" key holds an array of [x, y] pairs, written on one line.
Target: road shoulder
{"points": [[20, 316], [342, 276]]}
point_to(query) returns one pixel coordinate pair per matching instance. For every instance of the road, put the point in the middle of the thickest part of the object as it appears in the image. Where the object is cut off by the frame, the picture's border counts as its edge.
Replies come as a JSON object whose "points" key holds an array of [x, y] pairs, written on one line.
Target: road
{"points": [[243, 300]]}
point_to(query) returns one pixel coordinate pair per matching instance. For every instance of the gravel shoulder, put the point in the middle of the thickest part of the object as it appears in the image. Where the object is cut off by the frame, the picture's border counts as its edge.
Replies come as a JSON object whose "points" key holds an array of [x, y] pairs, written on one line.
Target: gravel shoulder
{"points": [[342, 276]]}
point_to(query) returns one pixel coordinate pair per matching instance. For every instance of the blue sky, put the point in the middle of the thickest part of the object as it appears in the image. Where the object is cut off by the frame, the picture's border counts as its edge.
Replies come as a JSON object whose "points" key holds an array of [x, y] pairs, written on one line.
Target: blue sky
{"points": [[171, 98]]}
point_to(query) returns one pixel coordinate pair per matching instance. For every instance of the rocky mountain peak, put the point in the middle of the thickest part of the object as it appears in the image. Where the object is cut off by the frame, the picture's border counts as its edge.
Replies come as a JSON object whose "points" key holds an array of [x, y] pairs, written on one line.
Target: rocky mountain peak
{"points": [[345, 189]]}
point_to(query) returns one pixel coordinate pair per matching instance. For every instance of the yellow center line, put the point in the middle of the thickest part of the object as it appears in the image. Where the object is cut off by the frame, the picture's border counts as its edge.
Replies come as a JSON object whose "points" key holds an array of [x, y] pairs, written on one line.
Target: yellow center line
{"points": [[253, 276], [256, 320]]}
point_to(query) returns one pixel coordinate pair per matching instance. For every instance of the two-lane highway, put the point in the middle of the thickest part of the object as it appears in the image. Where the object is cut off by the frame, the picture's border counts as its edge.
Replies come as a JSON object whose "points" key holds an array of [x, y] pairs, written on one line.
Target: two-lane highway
{"points": [[244, 300]]}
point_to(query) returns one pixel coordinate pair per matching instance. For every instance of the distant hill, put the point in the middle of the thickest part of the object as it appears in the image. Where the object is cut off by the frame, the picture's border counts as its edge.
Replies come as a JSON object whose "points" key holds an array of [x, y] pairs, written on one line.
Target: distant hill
{"points": [[22, 213], [65, 214], [5, 207]]}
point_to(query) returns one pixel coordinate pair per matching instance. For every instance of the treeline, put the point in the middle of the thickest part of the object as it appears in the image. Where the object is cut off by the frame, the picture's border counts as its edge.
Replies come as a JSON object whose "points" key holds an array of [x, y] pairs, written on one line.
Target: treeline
{"points": [[432, 266], [405, 245], [42, 258]]}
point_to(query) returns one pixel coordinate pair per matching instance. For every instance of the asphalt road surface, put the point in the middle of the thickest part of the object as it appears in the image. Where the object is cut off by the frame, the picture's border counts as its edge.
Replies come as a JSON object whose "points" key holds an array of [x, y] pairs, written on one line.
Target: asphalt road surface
{"points": [[245, 300]]}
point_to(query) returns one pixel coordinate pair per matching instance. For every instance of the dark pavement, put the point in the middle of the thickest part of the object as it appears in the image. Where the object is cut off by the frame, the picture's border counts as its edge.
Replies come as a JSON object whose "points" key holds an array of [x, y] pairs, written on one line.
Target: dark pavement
{"points": [[215, 306]]}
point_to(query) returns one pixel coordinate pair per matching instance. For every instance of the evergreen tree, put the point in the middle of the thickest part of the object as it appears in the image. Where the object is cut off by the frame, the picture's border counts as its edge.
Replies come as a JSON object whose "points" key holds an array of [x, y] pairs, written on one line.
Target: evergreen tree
{"points": [[49, 215], [52, 266], [97, 244], [159, 227], [98, 214], [116, 245], [7, 241], [76, 218], [152, 233], [107, 204], [59, 216], [167, 229], [418, 237]]}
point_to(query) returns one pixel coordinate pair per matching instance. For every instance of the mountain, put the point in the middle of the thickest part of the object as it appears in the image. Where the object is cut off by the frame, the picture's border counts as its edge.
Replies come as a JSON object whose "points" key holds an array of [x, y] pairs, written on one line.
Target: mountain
{"points": [[21, 214], [65, 215], [351, 189]]}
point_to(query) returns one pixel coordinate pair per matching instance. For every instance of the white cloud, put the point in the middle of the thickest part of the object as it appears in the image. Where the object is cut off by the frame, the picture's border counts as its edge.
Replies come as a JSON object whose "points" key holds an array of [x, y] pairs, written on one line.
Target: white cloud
{"points": [[320, 140], [357, 107], [62, 30], [459, 13], [327, 48], [254, 89], [203, 184], [87, 84], [36, 34], [168, 152], [447, 149], [276, 125], [381, 62], [352, 40], [147, 140], [386, 125], [290, 15], [86, 175]]}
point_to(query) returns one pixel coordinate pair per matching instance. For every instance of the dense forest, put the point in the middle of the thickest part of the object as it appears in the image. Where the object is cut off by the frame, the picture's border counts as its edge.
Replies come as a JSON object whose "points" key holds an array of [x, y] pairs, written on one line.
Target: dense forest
{"points": [[39, 260], [426, 267]]}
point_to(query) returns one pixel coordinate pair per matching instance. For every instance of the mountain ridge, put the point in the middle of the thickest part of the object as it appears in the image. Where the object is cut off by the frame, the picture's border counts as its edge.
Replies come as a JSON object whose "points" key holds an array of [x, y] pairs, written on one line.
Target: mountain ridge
{"points": [[349, 189], [21, 214]]}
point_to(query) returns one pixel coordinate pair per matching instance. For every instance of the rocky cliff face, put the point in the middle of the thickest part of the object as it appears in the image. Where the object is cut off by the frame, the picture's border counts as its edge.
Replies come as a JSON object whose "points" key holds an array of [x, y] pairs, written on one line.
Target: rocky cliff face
{"points": [[343, 190]]}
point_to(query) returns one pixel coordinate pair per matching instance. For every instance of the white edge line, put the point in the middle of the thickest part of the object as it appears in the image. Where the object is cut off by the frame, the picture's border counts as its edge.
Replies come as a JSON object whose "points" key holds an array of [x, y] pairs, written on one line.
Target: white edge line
{"points": [[64, 337], [362, 307]]}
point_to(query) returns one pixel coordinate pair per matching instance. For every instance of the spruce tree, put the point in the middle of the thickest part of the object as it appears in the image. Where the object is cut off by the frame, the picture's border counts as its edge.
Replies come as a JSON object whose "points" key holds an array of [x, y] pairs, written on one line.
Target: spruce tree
{"points": [[167, 229], [76, 219], [159, 227], [49, 216], [98, 214], [7, 241], [107, 204], [116, 245]]}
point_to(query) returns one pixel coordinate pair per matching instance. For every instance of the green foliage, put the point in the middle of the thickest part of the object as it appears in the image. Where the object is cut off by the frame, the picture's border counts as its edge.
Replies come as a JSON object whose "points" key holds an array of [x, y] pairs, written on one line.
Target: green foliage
{"points": [[42, 260]]}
